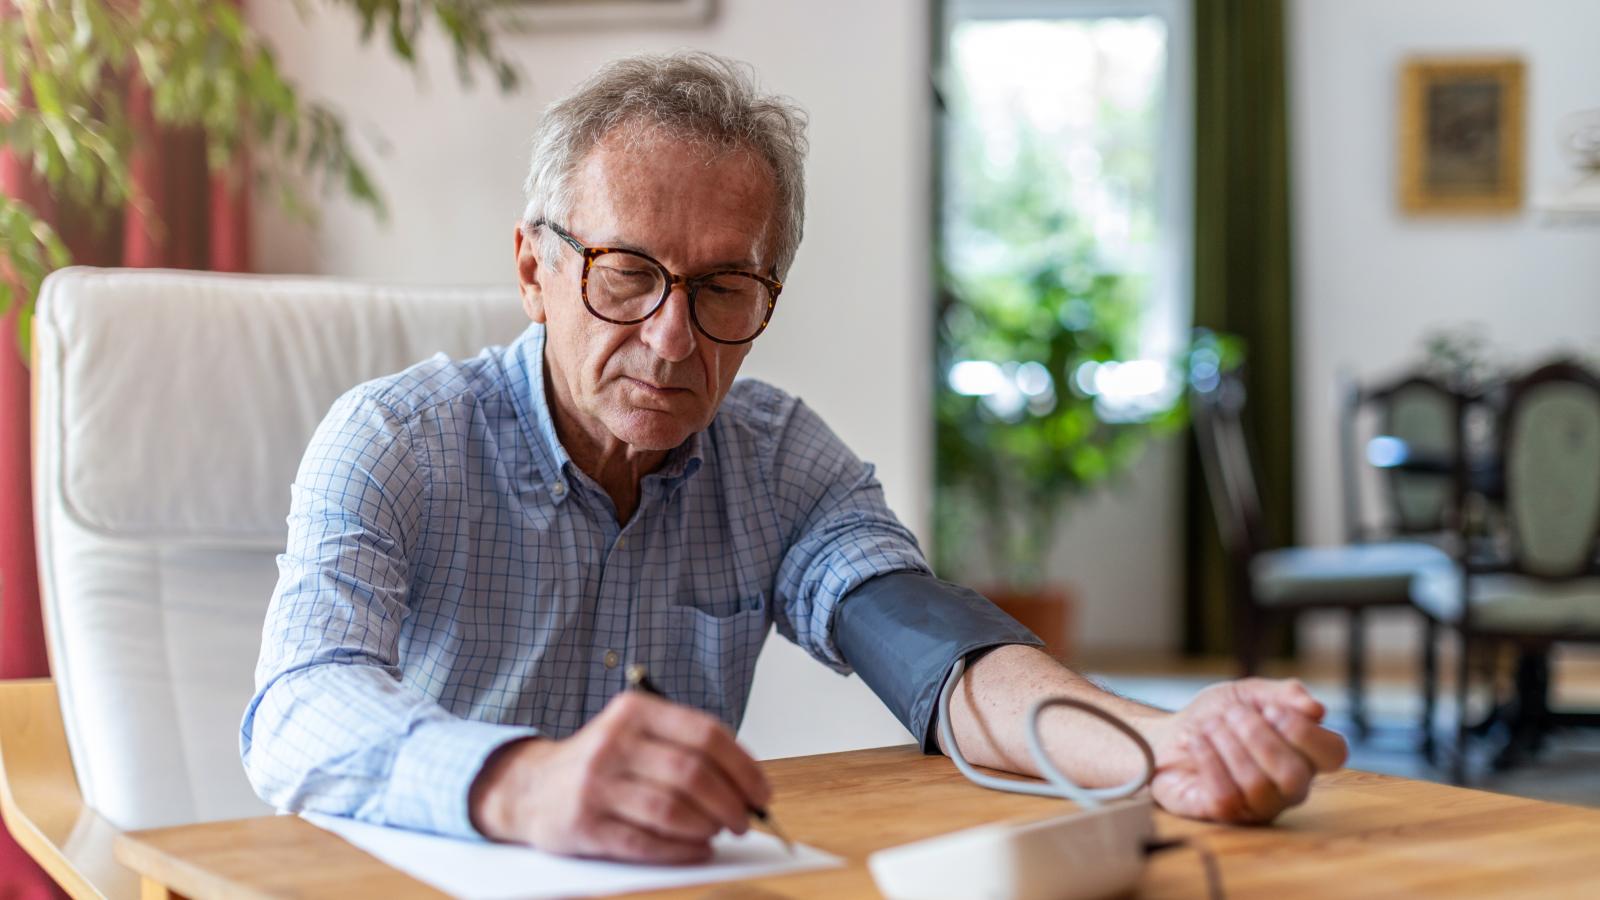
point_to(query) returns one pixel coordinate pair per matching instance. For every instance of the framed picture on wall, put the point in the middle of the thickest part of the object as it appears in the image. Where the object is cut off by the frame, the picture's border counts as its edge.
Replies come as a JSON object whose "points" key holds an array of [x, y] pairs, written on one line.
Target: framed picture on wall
{"points": [[542, 15], [1461, 134]]}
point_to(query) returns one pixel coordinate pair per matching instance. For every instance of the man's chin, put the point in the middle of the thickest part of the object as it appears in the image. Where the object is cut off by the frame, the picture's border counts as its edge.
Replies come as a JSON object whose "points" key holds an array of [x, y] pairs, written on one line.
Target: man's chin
{"points": [[652, 430]]}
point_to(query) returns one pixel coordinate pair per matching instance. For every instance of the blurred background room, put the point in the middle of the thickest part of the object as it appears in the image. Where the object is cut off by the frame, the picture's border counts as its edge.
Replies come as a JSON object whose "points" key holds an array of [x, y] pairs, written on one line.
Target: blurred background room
{"points": [[1204, 336]]}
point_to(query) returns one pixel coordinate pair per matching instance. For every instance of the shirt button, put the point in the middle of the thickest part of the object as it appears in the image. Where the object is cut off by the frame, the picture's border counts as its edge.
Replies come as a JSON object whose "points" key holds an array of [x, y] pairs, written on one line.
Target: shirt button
{"points": [[622, 542], [559, 489], [612, 659]]}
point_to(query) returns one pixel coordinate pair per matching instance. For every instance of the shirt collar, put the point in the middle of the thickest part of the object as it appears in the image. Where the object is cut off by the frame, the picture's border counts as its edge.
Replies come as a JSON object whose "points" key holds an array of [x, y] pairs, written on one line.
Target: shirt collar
{"points": [[525, 366], [681, 463]]}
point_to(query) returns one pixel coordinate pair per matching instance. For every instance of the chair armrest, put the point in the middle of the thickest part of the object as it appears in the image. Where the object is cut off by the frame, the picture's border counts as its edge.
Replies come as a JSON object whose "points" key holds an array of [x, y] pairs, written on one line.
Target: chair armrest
{"points": [[40, 801]]}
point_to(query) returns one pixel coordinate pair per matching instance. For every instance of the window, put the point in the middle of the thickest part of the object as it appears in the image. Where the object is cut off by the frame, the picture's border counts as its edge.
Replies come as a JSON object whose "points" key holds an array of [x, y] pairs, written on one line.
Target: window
{"points": [[1066, 159]]}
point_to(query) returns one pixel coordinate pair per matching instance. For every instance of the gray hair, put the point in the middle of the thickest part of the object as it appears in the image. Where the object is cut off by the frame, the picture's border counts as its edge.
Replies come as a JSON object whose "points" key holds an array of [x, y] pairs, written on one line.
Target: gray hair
{"points": [[695, 96]]}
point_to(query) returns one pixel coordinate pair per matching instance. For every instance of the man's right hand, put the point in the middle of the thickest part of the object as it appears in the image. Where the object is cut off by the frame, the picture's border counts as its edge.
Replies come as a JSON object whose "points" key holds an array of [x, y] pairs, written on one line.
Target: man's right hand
{"points": [[646, 781]]}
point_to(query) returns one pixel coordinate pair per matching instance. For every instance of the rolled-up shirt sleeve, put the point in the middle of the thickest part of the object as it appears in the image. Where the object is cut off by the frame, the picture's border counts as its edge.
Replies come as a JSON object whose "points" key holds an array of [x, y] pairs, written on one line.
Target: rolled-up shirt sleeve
{"points": [[839, 532], [854, 590], [333, 728]]}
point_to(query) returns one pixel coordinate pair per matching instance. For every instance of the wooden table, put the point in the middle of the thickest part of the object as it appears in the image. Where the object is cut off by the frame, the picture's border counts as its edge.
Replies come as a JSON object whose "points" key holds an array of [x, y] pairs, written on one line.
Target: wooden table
{"points": [[1361, 835]]}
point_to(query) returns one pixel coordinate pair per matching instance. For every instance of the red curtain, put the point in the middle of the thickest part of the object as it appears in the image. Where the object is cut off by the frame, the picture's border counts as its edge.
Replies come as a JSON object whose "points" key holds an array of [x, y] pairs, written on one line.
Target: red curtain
{"points": [[195, 219]]}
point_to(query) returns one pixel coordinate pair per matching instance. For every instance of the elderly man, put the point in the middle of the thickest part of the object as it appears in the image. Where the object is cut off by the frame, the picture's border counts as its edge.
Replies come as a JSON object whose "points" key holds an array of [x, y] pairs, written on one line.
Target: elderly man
{"points": [[479, 548]]}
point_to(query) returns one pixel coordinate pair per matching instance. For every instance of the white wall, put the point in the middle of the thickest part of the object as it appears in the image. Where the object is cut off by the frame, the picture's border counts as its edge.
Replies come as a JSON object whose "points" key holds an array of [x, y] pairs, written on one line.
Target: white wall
{"points": [[850, 334], [1370, 281], [1119, 554], [1122, 550]]}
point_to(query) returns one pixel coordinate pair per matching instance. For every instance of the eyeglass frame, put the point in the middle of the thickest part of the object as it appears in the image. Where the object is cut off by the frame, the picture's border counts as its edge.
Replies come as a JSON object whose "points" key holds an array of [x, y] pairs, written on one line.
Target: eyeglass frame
{"points": [[691, 284]]}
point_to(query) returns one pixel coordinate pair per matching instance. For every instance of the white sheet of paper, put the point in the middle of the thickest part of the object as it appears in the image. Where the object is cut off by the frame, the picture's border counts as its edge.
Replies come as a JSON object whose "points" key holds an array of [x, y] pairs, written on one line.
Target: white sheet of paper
{"points": [[483, 871]]}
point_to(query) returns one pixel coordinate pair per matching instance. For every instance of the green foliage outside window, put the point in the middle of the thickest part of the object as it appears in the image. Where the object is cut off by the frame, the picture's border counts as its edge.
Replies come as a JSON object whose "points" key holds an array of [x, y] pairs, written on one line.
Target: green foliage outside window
{"points": [[1005, 482], [1034, 301], [63, 105]]}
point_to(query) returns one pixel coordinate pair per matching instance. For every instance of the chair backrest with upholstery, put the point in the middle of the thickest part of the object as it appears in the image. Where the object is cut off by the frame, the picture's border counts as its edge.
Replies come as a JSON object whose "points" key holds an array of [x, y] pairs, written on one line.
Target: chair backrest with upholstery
{"points": [[172, 412], [1415, 445], [1550, 449]]}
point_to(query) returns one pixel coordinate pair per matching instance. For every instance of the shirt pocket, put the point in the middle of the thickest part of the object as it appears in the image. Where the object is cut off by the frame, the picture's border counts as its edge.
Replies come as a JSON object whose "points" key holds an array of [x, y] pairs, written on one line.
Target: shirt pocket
{"points": [[708, 661]]}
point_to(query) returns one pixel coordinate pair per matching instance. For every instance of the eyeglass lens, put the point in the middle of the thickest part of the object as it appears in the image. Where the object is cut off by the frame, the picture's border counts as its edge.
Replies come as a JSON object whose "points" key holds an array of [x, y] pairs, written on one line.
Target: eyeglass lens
{"points": [[625, 287]]}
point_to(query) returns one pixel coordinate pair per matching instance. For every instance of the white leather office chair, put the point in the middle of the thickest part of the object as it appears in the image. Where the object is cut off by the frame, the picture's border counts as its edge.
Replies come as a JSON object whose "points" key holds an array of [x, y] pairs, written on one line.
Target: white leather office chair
{"points": [[172, 409]]}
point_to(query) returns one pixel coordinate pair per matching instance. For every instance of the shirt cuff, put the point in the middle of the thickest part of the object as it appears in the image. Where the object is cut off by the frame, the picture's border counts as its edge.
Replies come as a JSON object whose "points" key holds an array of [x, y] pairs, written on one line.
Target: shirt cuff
{"points": [[433, 774], [903, 632]]}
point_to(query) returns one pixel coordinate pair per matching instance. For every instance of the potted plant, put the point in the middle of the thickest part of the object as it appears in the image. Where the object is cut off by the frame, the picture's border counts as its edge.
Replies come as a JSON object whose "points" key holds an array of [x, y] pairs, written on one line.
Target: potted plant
{"points": [[1040, 403]]}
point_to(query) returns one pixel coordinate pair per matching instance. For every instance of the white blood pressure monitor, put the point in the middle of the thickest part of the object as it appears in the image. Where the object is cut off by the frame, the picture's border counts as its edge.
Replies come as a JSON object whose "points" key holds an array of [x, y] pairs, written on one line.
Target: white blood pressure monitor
{"points": [[1097, 851]]}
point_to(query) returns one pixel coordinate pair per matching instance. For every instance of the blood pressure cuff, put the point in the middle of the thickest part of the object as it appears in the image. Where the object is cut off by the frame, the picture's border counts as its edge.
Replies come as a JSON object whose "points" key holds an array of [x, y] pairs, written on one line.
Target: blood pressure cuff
{"points": [[902, 633]]}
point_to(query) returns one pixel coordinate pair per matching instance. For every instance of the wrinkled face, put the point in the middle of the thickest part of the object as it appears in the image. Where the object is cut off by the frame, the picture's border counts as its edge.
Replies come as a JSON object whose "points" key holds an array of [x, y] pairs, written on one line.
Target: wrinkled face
{"points": [[652, 384]]}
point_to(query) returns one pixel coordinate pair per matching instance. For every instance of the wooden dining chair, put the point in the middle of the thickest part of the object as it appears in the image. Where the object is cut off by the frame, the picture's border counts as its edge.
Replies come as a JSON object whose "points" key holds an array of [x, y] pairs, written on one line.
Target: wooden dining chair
{"points": [[1406, 439], [1542, 587]]}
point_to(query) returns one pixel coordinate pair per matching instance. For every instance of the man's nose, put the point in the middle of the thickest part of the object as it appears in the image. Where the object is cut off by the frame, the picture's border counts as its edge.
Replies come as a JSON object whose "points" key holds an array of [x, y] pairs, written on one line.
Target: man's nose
{"points": [[670, 332]]}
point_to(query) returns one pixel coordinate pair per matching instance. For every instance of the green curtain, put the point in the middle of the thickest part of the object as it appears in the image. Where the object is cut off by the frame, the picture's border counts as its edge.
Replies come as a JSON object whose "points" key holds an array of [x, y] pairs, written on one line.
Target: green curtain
{"points": [[1241, 271]]}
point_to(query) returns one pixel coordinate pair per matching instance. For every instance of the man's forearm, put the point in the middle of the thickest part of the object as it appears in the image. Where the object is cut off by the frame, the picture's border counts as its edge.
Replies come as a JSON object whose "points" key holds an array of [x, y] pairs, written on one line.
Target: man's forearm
{"points": [[989, 707], [350, 740]]}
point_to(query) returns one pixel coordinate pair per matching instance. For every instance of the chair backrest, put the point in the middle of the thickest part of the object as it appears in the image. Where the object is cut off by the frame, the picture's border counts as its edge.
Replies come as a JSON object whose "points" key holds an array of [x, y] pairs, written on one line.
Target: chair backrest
{"points": [[172, 412], [1217, 410], [1416, 446], [1550, 450]]}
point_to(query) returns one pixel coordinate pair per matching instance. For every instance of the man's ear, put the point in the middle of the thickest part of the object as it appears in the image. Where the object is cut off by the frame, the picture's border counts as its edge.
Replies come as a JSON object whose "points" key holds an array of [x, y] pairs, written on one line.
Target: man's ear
{"points": [[529, 274]]}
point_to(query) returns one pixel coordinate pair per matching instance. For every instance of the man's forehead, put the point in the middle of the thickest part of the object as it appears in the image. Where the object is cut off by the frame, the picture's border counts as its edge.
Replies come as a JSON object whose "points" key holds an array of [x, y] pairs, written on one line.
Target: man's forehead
{"points": [[660, 163], [631, 187]]}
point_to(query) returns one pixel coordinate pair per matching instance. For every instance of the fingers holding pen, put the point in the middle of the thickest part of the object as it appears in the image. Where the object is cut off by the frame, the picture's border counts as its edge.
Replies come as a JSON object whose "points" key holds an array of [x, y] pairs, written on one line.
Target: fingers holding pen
{"points": [[644, 781], [695, 778], [661, 810], [613, 837], [701, 734]]}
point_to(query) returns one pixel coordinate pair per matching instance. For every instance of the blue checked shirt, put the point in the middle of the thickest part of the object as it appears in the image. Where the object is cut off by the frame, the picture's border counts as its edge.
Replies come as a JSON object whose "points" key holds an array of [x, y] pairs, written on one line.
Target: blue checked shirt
{"points": [[452, 581]]}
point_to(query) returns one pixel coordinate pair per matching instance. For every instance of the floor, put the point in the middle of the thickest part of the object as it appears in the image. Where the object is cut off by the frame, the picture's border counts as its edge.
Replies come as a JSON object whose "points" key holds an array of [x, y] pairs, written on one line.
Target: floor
{"points": [[1567, 772]]}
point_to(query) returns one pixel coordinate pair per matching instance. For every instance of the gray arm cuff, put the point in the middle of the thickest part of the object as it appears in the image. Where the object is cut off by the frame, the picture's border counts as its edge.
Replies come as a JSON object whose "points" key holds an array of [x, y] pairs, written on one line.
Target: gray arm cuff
{"points": [[902, 633]]}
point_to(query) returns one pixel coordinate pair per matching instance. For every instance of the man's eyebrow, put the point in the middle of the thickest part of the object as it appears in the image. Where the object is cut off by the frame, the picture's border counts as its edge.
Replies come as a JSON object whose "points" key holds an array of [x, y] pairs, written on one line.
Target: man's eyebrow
{"points": [[745, 264], [620, 244]]}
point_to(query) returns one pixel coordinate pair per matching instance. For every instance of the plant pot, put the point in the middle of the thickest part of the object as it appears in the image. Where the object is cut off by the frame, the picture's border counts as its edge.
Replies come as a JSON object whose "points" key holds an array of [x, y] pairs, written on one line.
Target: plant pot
{"points": [[1047, 611]]}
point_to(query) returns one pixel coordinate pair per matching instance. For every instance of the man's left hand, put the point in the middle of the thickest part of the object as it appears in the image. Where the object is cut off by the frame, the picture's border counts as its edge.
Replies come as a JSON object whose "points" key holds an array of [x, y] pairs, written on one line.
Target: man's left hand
{"points": [[1243, 752]]}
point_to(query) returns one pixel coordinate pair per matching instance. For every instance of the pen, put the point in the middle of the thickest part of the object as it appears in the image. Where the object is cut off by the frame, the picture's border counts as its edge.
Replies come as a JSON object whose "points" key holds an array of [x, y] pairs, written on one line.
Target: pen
{"points": [[639, 680]]}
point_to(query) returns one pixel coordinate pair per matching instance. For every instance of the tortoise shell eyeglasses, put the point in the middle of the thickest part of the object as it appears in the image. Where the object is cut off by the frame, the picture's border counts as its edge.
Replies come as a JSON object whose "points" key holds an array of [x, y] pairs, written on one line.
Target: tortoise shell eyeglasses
{"points": [[626, 287]]}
